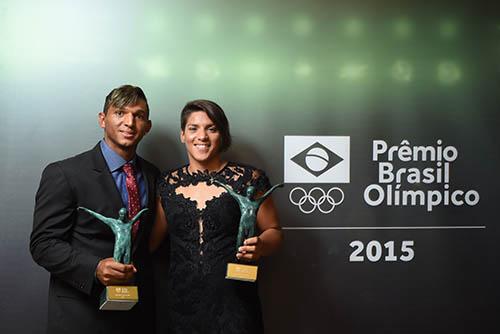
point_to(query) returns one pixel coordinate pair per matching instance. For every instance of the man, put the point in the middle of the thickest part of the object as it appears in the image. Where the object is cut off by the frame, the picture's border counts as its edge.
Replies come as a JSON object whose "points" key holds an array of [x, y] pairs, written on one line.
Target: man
{"points": [[75, 247]]}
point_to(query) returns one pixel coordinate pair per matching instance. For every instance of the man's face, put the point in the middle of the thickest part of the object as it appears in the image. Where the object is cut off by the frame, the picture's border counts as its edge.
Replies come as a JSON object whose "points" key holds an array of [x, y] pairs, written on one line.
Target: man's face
{"points": [[124, 127]]}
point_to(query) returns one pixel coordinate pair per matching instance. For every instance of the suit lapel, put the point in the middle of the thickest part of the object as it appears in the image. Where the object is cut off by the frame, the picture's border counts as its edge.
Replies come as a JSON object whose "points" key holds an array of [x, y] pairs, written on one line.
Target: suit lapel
{"points": [[105, 179]]}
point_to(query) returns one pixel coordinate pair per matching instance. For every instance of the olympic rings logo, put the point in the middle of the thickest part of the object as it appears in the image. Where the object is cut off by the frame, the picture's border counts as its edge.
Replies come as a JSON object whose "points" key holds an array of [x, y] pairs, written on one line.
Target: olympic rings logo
{"points": [[326, 203]]}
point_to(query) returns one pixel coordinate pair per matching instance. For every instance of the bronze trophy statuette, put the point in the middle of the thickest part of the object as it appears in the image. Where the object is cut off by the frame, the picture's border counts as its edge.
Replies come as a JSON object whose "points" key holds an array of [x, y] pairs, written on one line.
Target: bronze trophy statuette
{"points": [[119, 297], [248, 209]]}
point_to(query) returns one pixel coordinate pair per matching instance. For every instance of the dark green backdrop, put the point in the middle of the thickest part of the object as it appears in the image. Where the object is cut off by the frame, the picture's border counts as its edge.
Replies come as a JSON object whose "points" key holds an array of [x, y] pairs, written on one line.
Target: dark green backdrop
{"points": [[370, 70]]}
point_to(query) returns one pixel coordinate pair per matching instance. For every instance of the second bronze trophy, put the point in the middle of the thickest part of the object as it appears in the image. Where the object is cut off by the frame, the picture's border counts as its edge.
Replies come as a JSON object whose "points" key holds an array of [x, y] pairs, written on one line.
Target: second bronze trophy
{"points": [[248, 208]]}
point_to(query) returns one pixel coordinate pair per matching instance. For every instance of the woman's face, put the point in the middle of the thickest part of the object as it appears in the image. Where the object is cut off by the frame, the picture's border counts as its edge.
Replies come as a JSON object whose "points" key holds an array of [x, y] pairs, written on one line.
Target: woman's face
{"points": [[202, 140]]}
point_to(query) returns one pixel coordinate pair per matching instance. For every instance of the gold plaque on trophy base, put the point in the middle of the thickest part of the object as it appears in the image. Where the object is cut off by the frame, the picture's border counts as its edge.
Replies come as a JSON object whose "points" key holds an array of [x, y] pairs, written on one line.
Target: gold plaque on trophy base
{"points": [[241, 272], [119, 298]]}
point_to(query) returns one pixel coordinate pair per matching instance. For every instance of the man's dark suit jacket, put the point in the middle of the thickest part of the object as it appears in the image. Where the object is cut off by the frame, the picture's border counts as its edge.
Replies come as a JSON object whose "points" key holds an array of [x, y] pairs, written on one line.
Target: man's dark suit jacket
{"points": [[69, 243]]}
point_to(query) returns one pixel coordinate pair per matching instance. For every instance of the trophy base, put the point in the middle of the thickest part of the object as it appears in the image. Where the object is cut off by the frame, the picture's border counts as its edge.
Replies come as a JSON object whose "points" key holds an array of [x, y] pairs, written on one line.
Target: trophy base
{"points": [[119, 298], [241, 272]]}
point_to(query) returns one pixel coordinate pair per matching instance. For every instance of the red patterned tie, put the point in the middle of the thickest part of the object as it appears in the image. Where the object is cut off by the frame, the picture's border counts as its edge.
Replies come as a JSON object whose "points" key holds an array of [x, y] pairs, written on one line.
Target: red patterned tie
{"points": [[134, 203]]}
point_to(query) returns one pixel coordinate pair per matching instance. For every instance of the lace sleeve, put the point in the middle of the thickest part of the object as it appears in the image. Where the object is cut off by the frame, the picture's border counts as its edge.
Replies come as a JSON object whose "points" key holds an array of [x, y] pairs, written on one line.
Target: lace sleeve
{"points": [[166, 183], [260, 181], [161, 184]]}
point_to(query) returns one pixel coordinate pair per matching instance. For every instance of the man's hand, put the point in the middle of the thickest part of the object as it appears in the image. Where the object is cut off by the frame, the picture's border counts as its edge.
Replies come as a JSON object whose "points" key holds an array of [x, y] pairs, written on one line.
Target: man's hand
{"points": [[110, 272]]}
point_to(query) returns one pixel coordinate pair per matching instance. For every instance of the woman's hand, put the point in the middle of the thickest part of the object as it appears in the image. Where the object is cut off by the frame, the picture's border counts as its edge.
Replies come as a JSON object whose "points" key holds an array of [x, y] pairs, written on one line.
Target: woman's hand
{"points": [[251, 249]]}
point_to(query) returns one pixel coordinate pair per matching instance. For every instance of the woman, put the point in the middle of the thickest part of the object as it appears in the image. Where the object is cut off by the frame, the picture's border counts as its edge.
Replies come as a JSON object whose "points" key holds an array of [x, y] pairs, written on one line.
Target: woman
{"points": [[203, 220]]}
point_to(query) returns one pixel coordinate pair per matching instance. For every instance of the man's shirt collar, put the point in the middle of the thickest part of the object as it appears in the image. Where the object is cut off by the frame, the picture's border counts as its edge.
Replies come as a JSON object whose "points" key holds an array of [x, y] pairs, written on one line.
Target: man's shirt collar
{"points": [[113, 159]]}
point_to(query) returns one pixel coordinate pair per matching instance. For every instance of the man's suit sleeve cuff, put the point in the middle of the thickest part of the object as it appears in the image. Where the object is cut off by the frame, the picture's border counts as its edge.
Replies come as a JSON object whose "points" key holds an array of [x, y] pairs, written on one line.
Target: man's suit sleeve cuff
{"points": [[85, 275]]}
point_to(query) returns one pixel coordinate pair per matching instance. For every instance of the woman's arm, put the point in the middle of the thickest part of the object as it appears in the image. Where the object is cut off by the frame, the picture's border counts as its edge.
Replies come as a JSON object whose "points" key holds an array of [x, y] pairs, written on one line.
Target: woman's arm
{"points": [[159, 227], [270, 237]]}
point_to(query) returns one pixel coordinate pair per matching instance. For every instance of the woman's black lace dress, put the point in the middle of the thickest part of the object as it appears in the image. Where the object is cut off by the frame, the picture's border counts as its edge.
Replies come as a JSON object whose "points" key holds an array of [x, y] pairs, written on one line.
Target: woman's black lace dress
{"points": [[203, 224]]}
